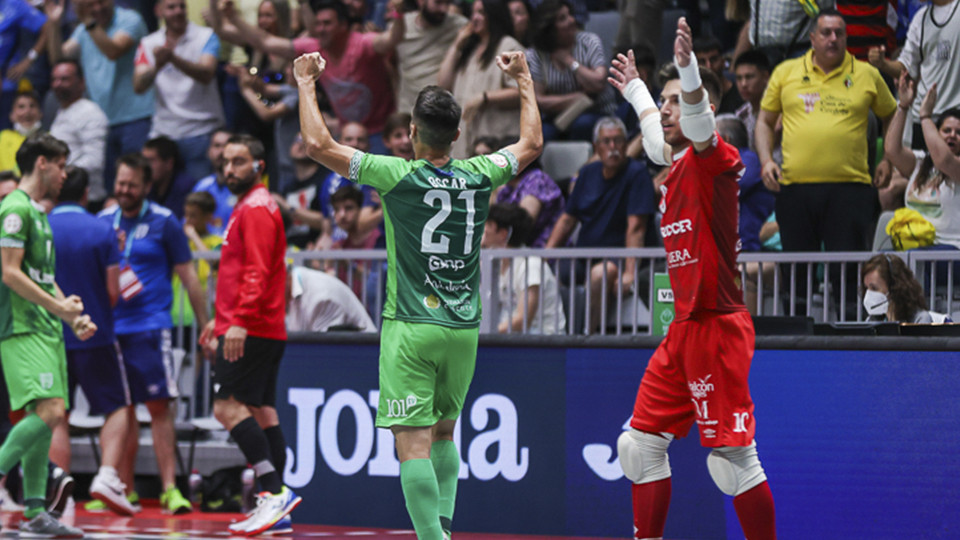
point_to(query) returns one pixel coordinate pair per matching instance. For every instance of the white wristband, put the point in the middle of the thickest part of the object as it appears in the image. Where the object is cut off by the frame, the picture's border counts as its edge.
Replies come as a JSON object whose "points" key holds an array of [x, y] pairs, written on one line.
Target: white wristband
{"points": [[637, 94], [690, 75]]}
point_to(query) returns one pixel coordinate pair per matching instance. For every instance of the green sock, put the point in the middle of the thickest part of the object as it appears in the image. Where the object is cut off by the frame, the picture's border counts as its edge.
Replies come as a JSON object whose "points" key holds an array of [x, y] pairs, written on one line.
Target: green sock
{"points": [[32, 508], [34, 463], [420, 491], [446, 465], [21, 439]]}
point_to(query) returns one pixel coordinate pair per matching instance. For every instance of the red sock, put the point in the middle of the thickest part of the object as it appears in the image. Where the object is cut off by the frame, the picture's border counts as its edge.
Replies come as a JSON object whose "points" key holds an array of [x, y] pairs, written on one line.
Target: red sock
{"points": [[650, 504], [756, 512]]}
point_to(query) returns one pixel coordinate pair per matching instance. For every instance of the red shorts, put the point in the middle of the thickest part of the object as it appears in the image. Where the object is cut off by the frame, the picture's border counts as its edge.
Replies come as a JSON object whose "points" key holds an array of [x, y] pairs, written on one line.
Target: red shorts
{"points": [[700, 372]]}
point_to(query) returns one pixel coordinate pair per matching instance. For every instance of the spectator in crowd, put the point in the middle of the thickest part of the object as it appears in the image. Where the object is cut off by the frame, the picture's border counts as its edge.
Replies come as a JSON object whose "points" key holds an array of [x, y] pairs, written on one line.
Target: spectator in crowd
{"points": [[355, 81], [347, 202], [105, 43], [20, 20], [489, 96], [88, 266], [280, 108], [153, 248], [779, 28], [430, 33], [709, 53], [396, 135], [891, 292], [198, 216], [929, 57], [534, 191], [319, 302], [528, 291], [825, 198], [8, 183], [641, 23], [569, 71], [275, 18], [361, 17], [521, 13], [752, 70], [933, 175], [25, 117], [216, 183], [300, 201], [81, 124], [180, 61], [170, 183], [612, 200], [870, 25]]}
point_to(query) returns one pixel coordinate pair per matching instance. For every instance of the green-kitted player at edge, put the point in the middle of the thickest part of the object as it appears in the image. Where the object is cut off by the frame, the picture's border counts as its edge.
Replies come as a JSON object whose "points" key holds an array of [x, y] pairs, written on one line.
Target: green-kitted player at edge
{"points": [[434, 211], [31, 335]]}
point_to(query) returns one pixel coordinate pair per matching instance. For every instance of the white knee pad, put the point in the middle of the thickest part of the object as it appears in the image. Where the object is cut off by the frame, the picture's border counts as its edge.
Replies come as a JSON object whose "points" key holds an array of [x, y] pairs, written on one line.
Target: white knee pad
{"points": [[643, 456], [736, 469]]}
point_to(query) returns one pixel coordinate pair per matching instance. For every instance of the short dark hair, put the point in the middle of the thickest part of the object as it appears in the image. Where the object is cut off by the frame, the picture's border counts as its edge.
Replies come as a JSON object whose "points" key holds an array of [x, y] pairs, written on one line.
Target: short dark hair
{"points": [[75, 185], [732, 129], [30, 94], [346, 193], [511, 216], [827, 12], [203, 200], [709, 79], [543, 23], [396, 121], [36, 145], [437, 117], [253, 144], [72, 62], [755, 58], [135, 160], [165, 147], [343, 15], [6, 176], [708, 43]]}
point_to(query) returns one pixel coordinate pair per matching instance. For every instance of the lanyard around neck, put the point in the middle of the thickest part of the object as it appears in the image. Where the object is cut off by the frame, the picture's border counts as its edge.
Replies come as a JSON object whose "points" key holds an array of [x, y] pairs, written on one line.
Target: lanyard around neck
{"points": [[116, 225]]}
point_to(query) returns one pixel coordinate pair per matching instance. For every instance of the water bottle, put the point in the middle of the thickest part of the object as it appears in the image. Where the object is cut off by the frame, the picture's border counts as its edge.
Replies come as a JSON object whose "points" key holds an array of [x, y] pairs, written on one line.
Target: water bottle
{"points": [[196, 487], [248, 478]]}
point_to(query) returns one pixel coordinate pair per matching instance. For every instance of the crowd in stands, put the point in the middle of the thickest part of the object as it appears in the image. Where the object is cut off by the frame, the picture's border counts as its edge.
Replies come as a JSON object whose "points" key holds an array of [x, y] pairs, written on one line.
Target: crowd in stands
{"points": [[808, 97]]}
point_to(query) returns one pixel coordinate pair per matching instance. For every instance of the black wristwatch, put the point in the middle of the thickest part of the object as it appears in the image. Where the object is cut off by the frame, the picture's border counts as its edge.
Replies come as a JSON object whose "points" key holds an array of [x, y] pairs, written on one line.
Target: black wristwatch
{"points": [[91, 25]]}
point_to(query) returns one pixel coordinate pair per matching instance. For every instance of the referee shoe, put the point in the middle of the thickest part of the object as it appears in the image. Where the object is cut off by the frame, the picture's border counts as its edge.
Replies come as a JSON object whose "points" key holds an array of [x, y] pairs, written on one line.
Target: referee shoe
{"points": [[271, 508]]}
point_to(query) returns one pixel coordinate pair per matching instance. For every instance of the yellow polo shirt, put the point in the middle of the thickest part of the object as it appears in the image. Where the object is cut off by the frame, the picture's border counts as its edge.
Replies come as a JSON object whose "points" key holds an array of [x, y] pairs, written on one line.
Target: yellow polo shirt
{"points": [[825, 118]]}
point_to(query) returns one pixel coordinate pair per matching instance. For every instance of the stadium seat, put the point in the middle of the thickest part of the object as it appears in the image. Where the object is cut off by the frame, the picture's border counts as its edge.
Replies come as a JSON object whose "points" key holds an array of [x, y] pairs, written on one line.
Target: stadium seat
{"points": [[881, 240], [562, 160], [605, 24]]}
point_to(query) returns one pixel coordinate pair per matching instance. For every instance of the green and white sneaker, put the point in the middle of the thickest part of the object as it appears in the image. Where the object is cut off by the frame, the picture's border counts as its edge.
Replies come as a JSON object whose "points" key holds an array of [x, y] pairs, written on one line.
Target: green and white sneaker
{"points": [[45, 526], [100, 506], [174, 502]]}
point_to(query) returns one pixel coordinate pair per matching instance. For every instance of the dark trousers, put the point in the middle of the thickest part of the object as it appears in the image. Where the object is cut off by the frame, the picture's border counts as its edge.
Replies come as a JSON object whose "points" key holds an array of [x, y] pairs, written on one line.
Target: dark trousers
{"points": [[827, 217]]}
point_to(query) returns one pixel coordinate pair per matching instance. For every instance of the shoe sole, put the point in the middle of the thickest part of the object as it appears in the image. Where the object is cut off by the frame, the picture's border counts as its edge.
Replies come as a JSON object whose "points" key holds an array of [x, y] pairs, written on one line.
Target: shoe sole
{"points": [[112, 506], [179, 511], [22, 534], [278, 532], [296, 502], [64, 491]]}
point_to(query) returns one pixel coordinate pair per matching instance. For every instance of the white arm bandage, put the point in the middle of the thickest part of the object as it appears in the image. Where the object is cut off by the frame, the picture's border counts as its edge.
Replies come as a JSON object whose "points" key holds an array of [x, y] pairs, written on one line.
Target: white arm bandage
{"points": [[690, 75], [639, 97], [697, 121]]}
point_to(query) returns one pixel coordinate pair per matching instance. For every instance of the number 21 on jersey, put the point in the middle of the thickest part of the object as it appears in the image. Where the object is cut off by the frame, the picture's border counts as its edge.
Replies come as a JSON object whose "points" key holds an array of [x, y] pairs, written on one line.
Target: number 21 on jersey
{"points": [[433, 242]]}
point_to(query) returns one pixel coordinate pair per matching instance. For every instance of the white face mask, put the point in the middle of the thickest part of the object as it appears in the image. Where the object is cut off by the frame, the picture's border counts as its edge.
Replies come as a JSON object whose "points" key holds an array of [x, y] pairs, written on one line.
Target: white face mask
{"points": [[875, 302]]}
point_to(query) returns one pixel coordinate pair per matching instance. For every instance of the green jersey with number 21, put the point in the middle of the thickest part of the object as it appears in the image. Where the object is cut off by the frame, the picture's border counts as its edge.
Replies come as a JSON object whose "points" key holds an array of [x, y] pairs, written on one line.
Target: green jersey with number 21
{"points": [[434, 219]]}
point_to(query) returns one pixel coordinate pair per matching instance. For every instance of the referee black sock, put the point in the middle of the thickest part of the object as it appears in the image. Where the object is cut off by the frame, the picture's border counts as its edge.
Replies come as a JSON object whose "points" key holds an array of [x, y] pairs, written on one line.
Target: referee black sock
{"points": [[278, 448], [255, 447]]}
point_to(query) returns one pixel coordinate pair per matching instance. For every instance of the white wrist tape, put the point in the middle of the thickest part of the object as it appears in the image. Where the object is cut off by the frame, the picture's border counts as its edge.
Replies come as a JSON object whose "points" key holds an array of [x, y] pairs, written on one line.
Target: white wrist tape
{"points": [[696, 120], [653, 142], [690, 75], [637, 94]]}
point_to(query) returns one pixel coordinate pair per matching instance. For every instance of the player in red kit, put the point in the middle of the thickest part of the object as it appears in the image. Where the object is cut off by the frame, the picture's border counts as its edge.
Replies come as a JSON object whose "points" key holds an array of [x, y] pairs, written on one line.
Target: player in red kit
{"points": [[699, 372]]}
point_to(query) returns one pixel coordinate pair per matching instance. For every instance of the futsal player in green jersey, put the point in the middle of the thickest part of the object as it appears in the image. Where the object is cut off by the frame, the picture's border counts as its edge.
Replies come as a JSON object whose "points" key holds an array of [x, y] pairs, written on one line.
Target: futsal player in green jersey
{"points": [[434, 211], [31, 336]]}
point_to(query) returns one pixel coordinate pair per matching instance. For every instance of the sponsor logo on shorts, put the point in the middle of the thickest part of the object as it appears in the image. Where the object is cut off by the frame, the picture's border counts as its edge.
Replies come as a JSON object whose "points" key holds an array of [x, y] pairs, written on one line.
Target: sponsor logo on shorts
{"points": [[46, 381], [700, 387], [709, 433], [12, 224], [400, 408]]}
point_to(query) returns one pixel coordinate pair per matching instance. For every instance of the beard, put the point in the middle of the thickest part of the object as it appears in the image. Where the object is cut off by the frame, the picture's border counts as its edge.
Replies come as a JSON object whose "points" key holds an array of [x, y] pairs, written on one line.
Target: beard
{"points": [[434, 19], [239, 186]]}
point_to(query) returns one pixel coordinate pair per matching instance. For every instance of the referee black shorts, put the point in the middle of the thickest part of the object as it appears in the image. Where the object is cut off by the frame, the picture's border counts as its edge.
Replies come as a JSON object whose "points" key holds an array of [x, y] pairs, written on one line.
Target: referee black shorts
{"points": [[252, 379]]}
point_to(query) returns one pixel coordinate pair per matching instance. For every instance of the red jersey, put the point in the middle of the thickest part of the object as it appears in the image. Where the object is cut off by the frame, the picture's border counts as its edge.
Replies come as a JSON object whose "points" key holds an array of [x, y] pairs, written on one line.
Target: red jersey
{"points": [[700, 208], [251, 286]]}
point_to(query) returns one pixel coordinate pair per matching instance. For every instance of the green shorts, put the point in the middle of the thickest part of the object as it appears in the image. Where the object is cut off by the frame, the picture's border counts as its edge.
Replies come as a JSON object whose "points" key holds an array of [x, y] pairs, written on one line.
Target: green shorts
{"points": [[35, 367], [425, 372]]}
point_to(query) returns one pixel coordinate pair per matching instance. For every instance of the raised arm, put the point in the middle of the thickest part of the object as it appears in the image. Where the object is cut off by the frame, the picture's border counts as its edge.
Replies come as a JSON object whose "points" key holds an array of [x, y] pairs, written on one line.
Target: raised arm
{"points": [[387, 40], [625, 78], [56, 48], [530, 145], [893, 149], [943, 158], [255, 37], [321, 146], [696, 118]]}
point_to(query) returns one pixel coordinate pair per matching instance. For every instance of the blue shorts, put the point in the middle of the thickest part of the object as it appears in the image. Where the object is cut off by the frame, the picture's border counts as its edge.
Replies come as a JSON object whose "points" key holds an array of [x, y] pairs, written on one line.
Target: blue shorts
{"points": [[101, 374], [148, 359]]}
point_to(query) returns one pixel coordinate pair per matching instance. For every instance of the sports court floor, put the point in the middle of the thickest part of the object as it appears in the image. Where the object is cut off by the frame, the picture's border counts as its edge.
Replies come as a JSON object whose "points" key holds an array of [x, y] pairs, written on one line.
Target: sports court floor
{"points": [[152, 524]]}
